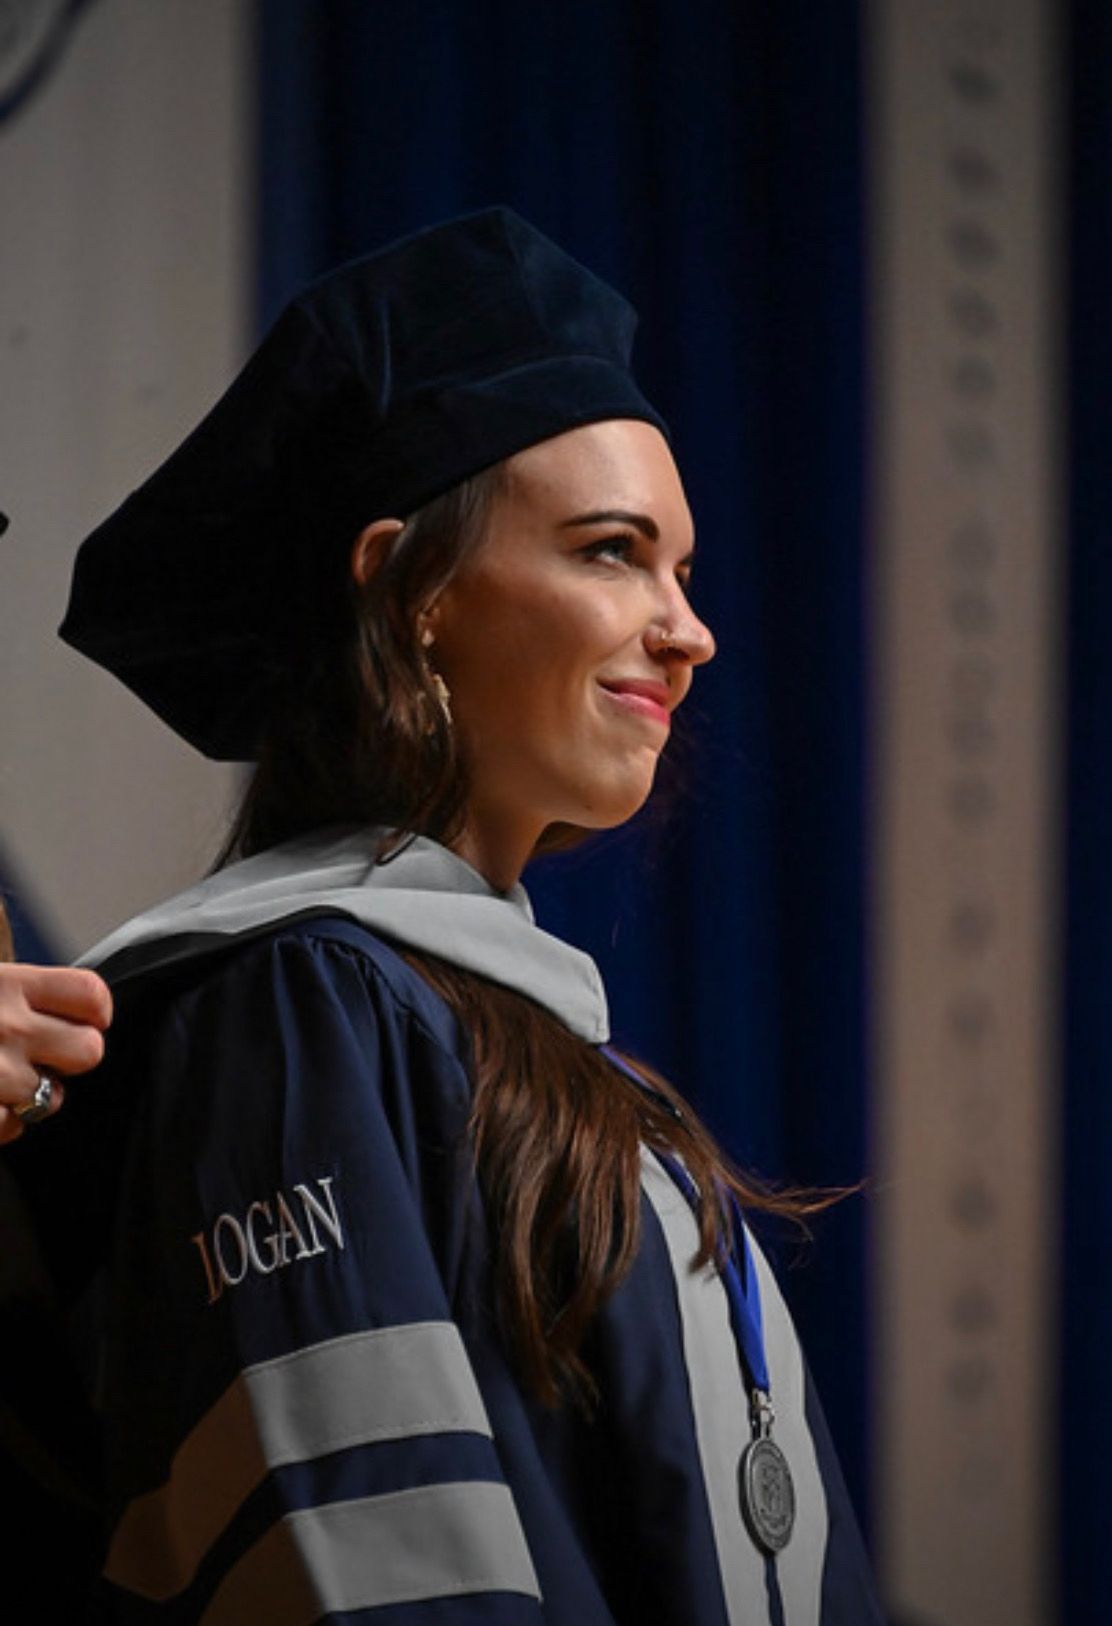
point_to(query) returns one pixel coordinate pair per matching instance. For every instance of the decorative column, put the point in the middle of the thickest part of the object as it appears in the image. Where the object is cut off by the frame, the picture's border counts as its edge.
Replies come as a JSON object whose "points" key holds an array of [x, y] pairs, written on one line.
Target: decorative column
{"points": [[966, 536]]}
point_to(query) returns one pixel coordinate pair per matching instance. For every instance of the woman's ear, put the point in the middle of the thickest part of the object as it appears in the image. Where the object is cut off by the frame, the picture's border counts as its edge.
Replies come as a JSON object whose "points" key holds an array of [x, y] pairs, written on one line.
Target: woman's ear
{"points": [[369, 548]]}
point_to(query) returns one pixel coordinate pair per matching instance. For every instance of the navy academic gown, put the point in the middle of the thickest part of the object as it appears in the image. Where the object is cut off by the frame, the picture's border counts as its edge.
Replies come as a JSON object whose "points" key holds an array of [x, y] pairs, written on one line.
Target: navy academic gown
{"points": [[278, 1267]]}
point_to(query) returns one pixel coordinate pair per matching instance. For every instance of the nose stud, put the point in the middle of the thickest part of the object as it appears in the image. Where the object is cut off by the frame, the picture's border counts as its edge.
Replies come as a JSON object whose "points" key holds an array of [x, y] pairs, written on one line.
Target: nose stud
{"points": [[664, 643]]}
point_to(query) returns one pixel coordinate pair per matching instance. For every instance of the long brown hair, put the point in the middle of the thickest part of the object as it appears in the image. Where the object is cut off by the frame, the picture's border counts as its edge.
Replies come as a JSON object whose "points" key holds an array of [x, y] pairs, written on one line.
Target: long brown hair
{"points": [[358, 737], [558, 1132]]}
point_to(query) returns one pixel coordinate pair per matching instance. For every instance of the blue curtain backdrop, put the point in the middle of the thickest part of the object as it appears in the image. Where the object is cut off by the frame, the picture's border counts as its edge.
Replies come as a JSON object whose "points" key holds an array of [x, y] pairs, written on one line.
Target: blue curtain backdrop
{"points": [[1086, 1404], [704, 155]]}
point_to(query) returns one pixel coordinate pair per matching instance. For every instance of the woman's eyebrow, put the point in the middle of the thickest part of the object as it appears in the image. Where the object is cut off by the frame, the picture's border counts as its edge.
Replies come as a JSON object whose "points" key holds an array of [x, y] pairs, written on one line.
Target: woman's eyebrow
{"points": [[621, 516], [618, 516]]}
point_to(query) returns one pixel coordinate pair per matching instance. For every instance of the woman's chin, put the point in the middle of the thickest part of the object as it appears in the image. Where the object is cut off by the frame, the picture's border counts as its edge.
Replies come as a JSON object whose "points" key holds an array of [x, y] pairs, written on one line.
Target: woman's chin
{"points": [[617, 807]]}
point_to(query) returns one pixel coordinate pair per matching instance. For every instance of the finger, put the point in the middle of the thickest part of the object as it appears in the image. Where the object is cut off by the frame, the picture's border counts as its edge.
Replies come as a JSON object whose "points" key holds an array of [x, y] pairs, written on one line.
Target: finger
{"points": [[10, 1126], [35, 1044], [66, 991], [56, 1046], [18, 1077]]}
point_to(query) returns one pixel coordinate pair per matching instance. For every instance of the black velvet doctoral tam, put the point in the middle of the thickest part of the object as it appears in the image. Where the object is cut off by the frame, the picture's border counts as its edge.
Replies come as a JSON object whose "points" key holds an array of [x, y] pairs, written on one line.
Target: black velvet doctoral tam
{"points": [[382, 385]]}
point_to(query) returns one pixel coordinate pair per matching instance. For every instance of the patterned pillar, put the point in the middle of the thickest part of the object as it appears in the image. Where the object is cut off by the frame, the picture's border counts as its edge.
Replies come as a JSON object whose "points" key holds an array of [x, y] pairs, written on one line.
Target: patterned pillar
{"points": [[966, 543]]}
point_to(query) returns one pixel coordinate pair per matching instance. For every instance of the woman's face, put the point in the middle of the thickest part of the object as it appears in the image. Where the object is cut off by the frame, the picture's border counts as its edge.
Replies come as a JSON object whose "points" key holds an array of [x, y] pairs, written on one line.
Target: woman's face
{"points": [[566, 639]]}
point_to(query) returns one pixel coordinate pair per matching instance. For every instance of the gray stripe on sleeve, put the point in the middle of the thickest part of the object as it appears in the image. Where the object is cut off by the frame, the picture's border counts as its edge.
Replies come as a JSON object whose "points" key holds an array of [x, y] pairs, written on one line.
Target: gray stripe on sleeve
{"points": [[386, 1384], [437, 1541], [718, 1398], [800, 1565]]}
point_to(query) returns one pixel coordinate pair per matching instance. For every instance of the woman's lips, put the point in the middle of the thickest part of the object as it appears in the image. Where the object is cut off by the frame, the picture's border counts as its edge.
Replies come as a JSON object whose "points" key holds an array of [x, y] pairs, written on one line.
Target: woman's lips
{"points": [[644, 699]]}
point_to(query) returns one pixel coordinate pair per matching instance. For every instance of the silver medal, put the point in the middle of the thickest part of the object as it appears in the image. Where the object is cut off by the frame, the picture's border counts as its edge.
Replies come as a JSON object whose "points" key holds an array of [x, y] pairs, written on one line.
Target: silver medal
{"points": [[767, 1492]]}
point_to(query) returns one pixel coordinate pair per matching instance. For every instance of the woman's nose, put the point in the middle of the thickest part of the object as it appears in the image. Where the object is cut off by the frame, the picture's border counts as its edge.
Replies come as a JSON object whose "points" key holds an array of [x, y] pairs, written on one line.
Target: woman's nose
{"points": [[677, 628]]}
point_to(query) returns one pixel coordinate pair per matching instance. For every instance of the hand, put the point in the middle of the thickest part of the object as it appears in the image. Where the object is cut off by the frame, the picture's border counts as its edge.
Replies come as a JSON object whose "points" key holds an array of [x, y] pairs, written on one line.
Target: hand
{"points": [[51, 1020]]}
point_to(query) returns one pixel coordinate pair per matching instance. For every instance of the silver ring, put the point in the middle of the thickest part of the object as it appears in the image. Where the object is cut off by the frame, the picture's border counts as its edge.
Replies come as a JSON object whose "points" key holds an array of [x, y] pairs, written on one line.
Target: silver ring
{"points": [[38, 1107]]}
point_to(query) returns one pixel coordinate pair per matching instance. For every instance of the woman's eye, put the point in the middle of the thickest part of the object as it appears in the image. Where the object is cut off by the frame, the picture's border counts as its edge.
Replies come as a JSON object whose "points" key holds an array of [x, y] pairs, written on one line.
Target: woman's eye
{"points": [[610, 547]]}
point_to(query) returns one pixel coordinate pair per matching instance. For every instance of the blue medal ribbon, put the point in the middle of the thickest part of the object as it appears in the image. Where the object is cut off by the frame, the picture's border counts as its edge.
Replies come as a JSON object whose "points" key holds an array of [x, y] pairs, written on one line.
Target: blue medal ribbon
{"points": [[765, 1481]]}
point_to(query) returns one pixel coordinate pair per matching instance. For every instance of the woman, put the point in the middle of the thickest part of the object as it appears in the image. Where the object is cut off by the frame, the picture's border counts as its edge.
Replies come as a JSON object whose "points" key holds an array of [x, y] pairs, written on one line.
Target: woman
{"points": [[420, 1304]]}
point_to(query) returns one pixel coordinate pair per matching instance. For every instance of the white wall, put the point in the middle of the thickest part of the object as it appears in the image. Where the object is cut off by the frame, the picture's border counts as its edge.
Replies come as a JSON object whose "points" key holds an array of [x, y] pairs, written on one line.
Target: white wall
{"points": [[125, 192]]}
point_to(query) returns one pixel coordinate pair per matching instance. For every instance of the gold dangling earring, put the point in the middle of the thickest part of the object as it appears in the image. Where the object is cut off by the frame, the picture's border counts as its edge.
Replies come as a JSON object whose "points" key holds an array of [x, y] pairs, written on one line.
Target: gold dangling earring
{"points": [[440, 688], [443, 696]]}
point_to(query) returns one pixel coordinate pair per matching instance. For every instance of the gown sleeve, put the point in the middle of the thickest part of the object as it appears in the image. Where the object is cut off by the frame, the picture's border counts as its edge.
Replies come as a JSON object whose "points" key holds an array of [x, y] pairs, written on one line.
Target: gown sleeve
{"points": [[295, 1430]]}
